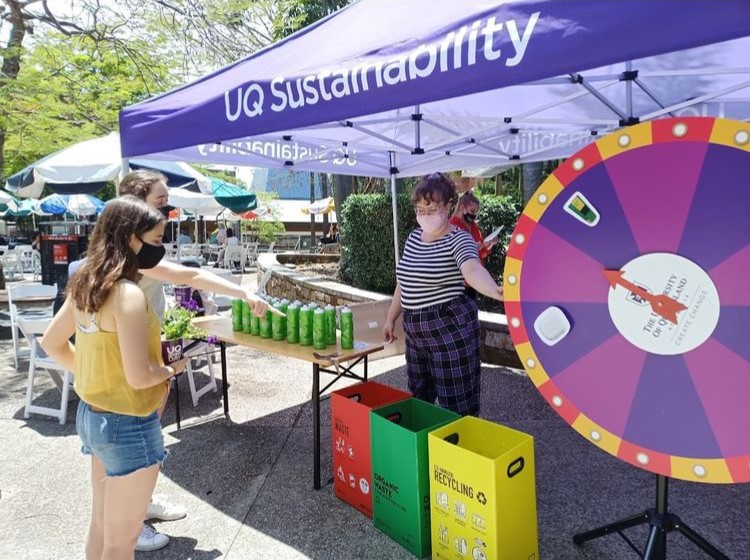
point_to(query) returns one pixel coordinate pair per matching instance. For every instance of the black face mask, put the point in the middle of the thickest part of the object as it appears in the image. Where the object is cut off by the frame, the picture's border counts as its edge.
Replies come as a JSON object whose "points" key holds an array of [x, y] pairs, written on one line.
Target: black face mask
{"points": [[470, 217], [150, 255], [165, 210]]}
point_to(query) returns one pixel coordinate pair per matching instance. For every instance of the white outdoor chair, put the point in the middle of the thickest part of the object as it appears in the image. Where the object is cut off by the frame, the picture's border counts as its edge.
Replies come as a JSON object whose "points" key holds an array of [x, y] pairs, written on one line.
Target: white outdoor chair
{"points": [[33, 329], [207, 351], [27, 256], [12, 265], [36, 266], [191, 252], [251, 254], [19, 292], [234, 254]]}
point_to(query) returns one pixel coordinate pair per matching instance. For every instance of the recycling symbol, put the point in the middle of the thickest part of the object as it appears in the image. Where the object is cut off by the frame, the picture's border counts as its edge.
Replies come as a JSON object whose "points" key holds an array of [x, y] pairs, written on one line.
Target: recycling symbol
{"points": [[481, 498]]}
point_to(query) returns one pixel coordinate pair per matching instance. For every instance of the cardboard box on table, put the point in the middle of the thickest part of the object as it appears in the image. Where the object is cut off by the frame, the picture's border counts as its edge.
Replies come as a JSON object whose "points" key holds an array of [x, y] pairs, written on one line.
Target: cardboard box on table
{"points": [[483, 492], [400, 470], [368, 327], [350, 437]]}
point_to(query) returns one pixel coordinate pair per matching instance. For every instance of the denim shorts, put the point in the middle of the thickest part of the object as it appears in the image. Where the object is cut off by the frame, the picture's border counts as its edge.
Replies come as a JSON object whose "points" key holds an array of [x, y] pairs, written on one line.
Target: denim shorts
{"points": [[123, 443]]}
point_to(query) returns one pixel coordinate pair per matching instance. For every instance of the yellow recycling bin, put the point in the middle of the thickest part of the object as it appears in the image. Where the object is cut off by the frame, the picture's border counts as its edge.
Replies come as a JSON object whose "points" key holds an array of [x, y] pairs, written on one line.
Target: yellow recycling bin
{"points": [[482, 492]]}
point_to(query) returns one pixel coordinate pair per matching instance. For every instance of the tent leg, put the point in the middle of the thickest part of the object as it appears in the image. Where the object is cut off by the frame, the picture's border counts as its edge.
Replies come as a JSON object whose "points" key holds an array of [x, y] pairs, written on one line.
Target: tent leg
{"points": [[394, 202], [124, 170]]}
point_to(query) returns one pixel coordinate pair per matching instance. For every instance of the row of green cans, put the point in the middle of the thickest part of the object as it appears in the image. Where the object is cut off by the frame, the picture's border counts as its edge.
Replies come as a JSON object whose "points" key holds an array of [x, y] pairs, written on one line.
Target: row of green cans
{"points": [[307, 325]]}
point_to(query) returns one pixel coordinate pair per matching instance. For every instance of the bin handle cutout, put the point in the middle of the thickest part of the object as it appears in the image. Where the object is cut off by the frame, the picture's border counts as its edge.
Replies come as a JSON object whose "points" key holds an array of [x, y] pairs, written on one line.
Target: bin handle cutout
{"points": [[516, 467], [356, 397], [395, 417], [452, 438]]}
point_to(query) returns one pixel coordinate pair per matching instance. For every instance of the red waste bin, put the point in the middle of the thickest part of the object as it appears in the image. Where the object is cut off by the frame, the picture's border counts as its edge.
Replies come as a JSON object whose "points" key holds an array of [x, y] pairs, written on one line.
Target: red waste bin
{"points": [[350, 438]]}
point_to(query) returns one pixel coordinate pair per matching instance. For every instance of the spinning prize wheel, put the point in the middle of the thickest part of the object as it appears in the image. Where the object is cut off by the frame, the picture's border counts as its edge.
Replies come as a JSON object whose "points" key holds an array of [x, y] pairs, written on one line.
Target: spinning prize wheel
{"points": [[627, 296]]}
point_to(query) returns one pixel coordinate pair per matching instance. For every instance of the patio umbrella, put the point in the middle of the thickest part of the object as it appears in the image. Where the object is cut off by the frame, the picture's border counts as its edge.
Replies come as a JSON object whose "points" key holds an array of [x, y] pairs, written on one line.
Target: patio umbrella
{"points": [[233, 197], [87, 166], [77, 204], [323, 206]]}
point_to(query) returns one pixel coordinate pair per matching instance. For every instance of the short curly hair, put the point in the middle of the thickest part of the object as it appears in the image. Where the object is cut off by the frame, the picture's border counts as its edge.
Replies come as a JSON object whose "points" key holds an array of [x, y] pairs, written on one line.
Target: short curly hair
{"points": [[437, 187]]}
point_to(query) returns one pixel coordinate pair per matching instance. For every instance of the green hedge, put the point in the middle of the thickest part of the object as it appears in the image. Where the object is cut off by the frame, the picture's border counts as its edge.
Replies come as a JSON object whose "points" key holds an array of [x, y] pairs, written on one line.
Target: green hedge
{"points": [[366, 236]]}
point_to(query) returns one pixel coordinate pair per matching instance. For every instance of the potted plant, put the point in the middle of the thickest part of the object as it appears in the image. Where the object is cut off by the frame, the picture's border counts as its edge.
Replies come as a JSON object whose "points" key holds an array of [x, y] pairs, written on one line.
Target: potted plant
{"points": [[177, 328]]}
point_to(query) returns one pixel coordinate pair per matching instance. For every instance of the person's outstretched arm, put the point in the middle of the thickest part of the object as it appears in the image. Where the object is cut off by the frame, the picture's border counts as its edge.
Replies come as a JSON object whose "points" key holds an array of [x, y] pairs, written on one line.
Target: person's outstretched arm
{"points": [[480, 279], [206, 281]]}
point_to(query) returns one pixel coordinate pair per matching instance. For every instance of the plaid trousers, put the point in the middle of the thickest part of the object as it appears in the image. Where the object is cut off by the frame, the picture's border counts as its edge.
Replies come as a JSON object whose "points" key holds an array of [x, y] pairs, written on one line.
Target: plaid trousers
{"points": [[442, 354]]}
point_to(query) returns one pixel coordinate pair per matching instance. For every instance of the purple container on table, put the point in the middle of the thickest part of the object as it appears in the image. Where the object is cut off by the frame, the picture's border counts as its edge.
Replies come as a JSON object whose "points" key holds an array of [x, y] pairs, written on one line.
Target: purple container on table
{"points": [[182, 294], [171, 350]]}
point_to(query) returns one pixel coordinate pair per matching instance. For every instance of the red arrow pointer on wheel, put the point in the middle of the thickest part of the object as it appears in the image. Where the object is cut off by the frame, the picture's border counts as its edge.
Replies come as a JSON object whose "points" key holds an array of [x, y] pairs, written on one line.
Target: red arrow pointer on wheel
{"points": [[661, 304]]}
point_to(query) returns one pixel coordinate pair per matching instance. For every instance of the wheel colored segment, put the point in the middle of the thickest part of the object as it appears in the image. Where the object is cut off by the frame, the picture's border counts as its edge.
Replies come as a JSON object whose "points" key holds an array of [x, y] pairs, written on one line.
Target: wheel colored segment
{"points": [[557, 270], [597, 242], [656, 215], [667, 413], [604, 392], [717, 225]]}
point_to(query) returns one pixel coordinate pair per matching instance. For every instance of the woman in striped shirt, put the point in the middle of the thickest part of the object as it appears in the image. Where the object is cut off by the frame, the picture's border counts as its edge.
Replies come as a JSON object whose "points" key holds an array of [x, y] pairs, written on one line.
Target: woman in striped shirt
{"points": [[441, 323]]}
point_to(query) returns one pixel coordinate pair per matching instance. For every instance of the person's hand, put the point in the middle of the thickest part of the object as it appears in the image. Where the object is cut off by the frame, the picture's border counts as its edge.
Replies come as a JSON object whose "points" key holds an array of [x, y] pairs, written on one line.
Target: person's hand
{"points": [[258, 305], [491, 243], [180, 365], [388, 329]]}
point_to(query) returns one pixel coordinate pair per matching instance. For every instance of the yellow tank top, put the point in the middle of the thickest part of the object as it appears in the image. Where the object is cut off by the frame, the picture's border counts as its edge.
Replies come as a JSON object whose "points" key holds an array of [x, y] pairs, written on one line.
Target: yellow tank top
{"points": [[100, 376]]}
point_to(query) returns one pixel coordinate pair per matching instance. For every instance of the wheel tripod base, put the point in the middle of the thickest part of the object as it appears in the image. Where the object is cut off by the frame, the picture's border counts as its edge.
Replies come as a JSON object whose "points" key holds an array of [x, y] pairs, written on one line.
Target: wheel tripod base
{"points": [[656, 545]]}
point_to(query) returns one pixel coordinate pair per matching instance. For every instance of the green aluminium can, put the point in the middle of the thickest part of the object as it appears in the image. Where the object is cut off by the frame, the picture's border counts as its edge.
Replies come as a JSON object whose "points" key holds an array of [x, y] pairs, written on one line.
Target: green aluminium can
{"points": [[346, 322], [284, 305], [247, 317], [278, 324], [255, 325], [292, 324], [305, 326], [237, 314], [312, 305], [266, 330], [330, 315], [319, 329]]}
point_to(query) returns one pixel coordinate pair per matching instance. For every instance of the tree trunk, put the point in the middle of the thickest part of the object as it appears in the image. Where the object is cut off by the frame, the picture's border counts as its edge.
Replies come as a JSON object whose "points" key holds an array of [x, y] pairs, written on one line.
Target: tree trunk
{"points": [[11, 63], [343, 186], [531, 174]]}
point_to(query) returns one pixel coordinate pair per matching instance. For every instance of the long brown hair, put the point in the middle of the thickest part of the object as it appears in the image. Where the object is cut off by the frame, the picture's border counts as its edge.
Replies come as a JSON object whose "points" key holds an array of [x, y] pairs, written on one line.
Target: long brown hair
{"points": [[109, 257], [140, 182]]}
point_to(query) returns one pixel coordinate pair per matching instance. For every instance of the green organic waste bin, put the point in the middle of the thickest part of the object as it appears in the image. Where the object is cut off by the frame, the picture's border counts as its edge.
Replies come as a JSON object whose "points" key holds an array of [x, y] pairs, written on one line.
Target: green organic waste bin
{"points": [[400, 470]]}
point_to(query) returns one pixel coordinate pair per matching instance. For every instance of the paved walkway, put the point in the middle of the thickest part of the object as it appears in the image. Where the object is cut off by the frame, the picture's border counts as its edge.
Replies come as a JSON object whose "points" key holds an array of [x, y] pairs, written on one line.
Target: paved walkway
{"points": [[247, 482]]}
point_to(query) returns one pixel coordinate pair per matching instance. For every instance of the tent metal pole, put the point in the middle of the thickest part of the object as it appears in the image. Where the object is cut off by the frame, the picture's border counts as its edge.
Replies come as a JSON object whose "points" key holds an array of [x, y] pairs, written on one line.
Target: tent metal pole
{"points": [[124, 169], [629, 90], [394, 203]]}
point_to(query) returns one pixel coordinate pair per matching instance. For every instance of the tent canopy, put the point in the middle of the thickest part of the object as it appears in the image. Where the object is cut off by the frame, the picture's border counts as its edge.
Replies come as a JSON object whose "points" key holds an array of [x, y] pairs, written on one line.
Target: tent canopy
{"points": [[380, 88]]}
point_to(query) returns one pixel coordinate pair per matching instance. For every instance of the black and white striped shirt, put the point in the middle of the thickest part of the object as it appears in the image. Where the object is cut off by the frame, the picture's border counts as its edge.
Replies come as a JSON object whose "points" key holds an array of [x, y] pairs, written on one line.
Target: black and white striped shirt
{"points": [[430, 272]]}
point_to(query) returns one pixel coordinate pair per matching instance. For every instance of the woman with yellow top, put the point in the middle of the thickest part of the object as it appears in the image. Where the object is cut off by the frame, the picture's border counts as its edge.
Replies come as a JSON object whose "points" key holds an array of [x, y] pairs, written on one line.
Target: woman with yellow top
{"points": [[119, 373]]}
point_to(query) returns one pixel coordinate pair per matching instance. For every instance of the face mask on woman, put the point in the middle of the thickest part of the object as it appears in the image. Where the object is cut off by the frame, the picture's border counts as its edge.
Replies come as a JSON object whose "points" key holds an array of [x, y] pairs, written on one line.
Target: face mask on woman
{"points": [[431, 223], [469, 218], [150, 255]]}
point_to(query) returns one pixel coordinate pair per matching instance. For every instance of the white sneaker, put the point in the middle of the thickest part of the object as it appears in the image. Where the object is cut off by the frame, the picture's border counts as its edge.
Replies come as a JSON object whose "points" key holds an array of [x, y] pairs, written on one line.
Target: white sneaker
{"points": [[162, 509], [150, 540]]}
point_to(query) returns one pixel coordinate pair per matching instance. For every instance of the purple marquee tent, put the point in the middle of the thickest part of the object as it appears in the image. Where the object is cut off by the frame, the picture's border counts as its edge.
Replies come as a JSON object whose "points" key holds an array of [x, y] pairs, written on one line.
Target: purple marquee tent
{"points": [[386, 88]]}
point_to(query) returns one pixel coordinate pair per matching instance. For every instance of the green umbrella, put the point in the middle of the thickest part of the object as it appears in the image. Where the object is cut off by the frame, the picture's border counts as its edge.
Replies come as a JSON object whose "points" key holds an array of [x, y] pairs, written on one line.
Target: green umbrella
{"points": [[230, 196]]}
